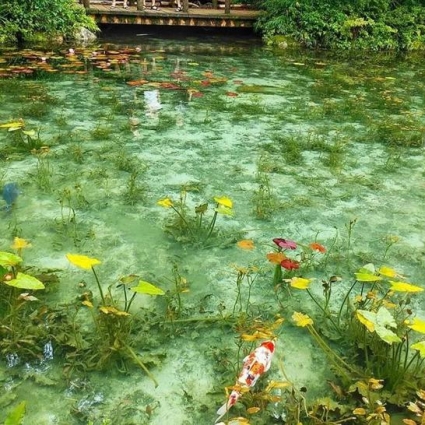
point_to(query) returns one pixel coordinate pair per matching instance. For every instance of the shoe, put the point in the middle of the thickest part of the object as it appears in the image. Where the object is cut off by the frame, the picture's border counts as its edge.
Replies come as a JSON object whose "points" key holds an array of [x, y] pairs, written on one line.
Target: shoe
{"points": [[154, 7], [178, 9]]}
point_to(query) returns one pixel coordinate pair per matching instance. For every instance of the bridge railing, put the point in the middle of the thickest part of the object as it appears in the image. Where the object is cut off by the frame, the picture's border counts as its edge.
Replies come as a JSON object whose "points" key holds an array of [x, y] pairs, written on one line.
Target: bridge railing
{"points": [[140, 5]]}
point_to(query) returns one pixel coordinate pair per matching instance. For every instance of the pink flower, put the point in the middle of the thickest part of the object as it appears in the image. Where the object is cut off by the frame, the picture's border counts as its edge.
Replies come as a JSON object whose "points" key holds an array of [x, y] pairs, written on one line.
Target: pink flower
{"points": [[289, 264], [285, 243]]}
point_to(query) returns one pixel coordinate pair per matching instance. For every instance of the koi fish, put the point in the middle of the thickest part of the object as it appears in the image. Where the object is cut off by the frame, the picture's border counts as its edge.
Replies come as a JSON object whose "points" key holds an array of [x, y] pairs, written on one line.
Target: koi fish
{"points": [[254, 365]]}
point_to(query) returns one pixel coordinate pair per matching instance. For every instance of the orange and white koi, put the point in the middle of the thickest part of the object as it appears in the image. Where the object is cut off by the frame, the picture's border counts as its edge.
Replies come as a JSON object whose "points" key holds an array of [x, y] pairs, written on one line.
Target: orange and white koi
{"points": [[254, 365]]}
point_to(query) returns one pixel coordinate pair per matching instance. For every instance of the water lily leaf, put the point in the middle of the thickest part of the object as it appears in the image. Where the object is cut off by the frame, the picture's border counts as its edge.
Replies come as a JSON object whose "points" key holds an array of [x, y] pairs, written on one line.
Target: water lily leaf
{"points": [[9, 260], [301, 319], [404, 287], [379, 323], [300, 282], [387, 335], [126, 280], [25, 281], [224, 201], [112, 310], [387, 272], [224, 210], [419, 346], [367, 277], [418, 325], [16, 416], [362, 317], [147, 288], [82, 261], [13, 124]]}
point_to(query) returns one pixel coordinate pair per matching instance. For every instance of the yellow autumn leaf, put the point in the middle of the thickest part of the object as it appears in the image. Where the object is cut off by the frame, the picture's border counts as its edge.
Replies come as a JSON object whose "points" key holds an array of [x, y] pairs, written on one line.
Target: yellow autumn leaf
{"points": [[19, 243], [418, 325], [300, 282], [301, 319], [404, 287], [247, 244], [224, 201], [87, 303], [166, 203], [277, 385], [387, 272], [252, 410], [276, 257], [364, 321], [113, 310], [82, 261]]}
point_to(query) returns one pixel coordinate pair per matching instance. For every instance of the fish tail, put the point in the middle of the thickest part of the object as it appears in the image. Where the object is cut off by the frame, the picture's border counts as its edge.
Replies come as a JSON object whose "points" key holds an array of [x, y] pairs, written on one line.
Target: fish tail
{"points": [[233, 398]]}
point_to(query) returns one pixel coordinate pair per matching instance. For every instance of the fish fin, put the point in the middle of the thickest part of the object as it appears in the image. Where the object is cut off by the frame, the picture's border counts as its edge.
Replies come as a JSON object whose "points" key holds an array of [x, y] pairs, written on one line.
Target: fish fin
{"points": [[221, 412]]}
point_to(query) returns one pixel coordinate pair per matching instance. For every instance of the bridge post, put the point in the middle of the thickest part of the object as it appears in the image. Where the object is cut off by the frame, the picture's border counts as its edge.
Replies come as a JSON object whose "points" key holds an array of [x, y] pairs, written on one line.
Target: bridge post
{"points": [[86, 4], [186, 6], [227, 7], [140, 4]]}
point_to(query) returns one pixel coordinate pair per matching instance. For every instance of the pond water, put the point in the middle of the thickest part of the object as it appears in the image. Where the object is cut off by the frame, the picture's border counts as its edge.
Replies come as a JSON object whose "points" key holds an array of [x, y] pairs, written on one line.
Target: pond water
{"points": [[308, 146]]}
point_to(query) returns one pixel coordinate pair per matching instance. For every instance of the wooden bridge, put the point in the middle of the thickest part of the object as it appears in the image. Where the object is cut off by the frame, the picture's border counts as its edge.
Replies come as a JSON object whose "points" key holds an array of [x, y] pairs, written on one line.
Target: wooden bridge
{"points": [[138, 12]]}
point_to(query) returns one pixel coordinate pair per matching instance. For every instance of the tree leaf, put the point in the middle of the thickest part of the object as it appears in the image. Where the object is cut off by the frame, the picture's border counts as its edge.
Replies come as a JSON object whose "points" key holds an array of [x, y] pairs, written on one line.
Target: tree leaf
{"points": [[25, 281], [147, 288]]}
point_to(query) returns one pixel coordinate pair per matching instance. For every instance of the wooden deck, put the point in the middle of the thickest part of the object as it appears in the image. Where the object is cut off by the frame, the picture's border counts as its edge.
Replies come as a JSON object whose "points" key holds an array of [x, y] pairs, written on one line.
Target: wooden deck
{"points": [[194, 17]]}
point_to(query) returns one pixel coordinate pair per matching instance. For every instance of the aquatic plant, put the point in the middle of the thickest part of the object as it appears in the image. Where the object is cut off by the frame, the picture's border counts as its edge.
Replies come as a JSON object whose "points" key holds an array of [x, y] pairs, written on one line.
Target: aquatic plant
{"points": [[23, 139], [113, 323], [265, 201], [195, 228], [375, 325], [18, 336]]}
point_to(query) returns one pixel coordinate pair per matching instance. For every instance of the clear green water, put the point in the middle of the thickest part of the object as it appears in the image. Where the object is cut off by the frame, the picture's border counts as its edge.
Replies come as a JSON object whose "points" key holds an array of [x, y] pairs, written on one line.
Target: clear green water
{"points": [[303, 143]]}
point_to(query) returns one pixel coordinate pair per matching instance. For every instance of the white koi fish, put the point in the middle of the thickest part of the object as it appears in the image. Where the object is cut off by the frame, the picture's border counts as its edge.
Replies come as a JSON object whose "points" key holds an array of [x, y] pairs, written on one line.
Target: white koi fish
{"points": [[254, 365]]}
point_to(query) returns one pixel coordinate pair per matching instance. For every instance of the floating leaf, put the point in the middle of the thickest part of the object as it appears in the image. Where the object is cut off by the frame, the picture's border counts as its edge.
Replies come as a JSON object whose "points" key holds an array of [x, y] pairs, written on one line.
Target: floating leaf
{"points": [[87, 303], [252, 410], [82, 261], [27, 297], [25, 281], [147, 288], [387, 335], [9, 260], [404, 287], [126, 280], [16, 416], [301, 319], [201, 209], [418, 325]]}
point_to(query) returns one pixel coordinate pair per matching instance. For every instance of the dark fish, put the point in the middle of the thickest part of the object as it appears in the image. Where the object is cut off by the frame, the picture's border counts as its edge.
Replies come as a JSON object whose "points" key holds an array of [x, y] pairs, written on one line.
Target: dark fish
{"points": [[9, 194]]}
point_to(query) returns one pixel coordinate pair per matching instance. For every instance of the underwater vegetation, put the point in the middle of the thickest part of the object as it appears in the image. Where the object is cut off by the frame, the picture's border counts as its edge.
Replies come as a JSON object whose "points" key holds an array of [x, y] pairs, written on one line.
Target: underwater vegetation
{"points": [[290, 189]]}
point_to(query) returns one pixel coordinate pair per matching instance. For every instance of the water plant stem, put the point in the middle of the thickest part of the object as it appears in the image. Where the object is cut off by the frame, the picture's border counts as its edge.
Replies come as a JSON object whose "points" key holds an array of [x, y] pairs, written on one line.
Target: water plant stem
{"points": [[99, 286], [136, 358]]}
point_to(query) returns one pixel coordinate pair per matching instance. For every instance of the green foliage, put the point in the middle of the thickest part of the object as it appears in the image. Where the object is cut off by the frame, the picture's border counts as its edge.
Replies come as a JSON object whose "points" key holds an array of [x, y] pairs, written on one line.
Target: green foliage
{"points": [[377, 25], [25, 19]]}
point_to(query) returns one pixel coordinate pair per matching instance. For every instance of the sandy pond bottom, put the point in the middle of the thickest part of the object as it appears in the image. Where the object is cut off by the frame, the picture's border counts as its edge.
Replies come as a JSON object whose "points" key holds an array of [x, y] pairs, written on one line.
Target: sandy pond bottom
{"points": [[302, 143]]}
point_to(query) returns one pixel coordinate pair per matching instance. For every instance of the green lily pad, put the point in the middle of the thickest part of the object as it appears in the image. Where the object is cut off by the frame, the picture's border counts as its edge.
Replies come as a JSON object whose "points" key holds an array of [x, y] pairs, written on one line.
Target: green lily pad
{"points": [[25, 281], [8, 259], [147, 288]]}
